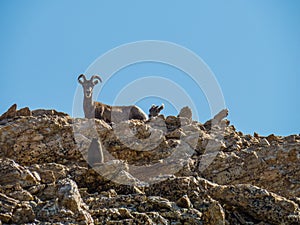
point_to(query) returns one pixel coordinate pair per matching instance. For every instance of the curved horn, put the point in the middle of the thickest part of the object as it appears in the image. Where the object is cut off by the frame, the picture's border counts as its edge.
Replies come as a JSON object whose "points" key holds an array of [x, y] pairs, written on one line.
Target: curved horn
{"points": [[94, 78], [80, 80]]}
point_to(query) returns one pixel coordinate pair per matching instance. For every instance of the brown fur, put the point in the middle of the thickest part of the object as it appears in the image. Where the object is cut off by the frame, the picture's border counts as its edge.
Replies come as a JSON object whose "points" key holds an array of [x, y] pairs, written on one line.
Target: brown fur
{"points": [[106, 112]]}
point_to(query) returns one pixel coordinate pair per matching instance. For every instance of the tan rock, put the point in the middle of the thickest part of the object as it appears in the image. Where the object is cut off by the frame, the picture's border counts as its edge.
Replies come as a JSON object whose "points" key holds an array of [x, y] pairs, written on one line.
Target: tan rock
{"points": [[24, 112], [221, 115], [215, 214], [7, 208], [264, 142], [272, 138], [23, 214], [152, 175], [48, 112], [10, 113], [12, 173], [184, 202], [257, 202], [186, 112]]}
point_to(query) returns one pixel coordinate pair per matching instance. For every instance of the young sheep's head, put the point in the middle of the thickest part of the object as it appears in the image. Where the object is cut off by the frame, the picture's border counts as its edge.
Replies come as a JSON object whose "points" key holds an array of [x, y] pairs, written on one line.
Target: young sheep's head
{"points": [[88, 85], [155, 110]]}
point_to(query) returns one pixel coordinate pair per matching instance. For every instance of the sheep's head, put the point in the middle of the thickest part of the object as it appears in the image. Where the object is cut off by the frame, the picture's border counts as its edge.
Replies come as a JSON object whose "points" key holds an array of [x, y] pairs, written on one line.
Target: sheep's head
{"points": [[88, 85], [155, 110]]}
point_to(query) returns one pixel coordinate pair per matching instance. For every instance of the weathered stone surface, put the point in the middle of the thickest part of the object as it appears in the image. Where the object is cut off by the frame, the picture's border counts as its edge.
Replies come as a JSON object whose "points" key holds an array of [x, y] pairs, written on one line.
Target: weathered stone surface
{"points": [[48, 112], [7, 207], [12, 173], [66, 205], [184, 202], [23, 214], [221, 115], [258, 203], [24, 112], [214, 214], [10, 113], [12, 211], [186, 112], [162, 171]]}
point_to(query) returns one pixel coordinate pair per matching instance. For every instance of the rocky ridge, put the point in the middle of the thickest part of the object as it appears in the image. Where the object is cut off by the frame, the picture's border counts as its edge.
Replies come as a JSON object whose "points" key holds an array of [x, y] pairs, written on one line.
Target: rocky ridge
{"points": [[164, 171]]}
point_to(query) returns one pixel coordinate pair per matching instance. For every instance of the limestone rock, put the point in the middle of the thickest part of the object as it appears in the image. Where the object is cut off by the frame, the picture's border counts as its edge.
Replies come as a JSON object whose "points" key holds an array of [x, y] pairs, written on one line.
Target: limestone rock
{"points": [[214, 214], [48, 112], [10, 113], [66, 205], [24, 112], [184, 202], [23, 214], [162, 171], [172, 123], [12, 211], [8, 206], [186, 112], [259, 203], [12, 173], [221, 115]]}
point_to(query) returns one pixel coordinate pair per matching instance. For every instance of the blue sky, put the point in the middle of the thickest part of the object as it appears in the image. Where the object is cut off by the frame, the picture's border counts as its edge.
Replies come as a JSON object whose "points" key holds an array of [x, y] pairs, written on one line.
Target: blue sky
{"points": [[252, 47]]}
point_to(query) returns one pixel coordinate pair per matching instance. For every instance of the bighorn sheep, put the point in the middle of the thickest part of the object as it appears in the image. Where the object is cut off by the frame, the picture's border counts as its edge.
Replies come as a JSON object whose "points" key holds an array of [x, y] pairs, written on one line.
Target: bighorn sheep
{"points": [[106, 112], [155, 110]]}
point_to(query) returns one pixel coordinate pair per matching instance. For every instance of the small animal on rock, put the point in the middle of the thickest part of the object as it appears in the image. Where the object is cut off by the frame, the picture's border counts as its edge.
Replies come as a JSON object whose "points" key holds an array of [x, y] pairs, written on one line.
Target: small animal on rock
{"points": [[93, 109]]}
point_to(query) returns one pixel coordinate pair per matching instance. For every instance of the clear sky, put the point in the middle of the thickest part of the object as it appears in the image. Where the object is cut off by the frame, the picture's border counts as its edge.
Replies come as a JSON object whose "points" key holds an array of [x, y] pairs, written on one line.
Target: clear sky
{"points": [[252, 47]]}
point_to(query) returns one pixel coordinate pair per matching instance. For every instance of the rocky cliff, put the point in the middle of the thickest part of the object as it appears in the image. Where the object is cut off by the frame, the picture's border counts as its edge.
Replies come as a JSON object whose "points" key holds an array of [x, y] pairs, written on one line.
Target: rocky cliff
{"points": [[164, 171]]}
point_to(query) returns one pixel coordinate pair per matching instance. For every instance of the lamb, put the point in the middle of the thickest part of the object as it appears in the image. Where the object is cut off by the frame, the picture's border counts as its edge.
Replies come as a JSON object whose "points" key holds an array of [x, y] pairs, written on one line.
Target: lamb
{"points": [[106, 112]]}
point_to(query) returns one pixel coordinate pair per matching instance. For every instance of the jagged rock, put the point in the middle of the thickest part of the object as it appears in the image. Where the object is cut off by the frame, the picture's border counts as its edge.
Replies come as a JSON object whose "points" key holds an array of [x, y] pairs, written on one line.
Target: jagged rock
{"points": [[221, 115], [12, 174], [291, 138], [264, 142], [68, 195], [218, 120], [16, 192], [24, 112], [48, 112], [66, 205], [8, 206], [273, 138], [151, 172], [258, 202], [23, 214], [214, 214], [184, 202], [186, 112], [172, 123], [11, 211], [10, 113]]}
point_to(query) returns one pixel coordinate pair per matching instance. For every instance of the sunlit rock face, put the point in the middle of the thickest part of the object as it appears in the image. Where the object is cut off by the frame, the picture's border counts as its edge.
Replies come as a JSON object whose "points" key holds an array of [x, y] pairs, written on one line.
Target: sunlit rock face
{"points": [[167, 170]]}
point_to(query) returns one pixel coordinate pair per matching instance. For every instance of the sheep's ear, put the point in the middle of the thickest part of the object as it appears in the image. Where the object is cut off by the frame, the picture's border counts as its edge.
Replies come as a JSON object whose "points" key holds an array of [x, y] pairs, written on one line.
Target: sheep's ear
{"points": [[95, 82], [81, 78]]}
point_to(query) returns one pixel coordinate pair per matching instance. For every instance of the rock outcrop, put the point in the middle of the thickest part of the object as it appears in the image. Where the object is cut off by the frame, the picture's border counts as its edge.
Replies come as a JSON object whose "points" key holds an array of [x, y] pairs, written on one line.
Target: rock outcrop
{"points": [[163, 171]]}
